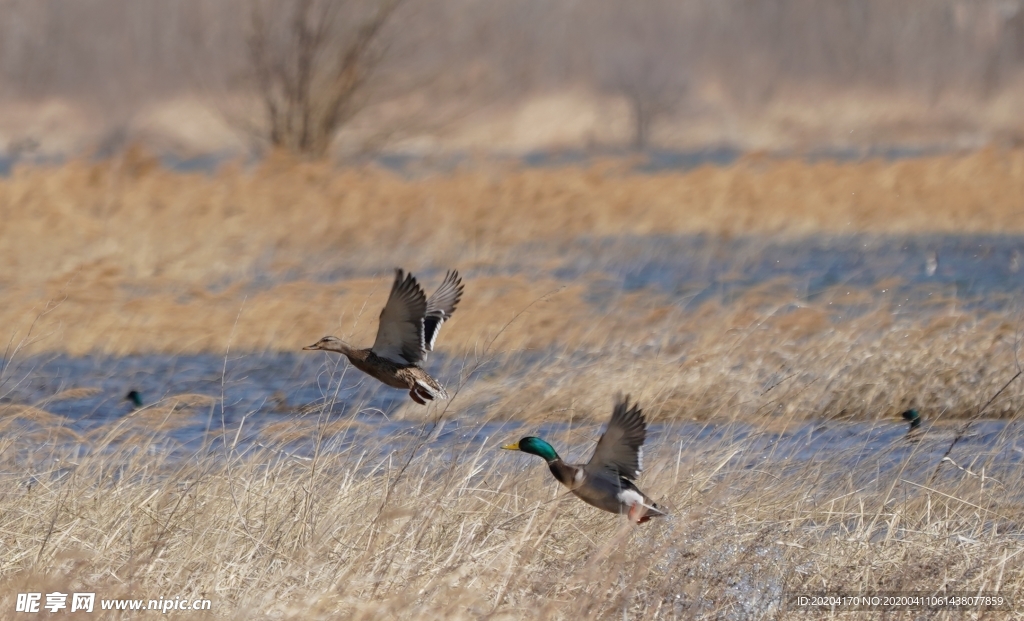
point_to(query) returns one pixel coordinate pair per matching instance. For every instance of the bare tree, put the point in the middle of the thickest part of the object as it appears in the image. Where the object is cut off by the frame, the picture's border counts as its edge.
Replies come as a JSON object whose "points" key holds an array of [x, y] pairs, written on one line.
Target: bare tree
{"points": [[652, 86], [312, 61], [640, 56]]}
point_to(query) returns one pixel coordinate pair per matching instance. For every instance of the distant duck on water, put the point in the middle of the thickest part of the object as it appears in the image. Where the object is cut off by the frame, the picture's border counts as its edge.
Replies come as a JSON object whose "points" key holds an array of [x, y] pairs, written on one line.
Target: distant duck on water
{"points": [[407, 331], [936, 431], [914, 418], [606, 481], [135, 397]]}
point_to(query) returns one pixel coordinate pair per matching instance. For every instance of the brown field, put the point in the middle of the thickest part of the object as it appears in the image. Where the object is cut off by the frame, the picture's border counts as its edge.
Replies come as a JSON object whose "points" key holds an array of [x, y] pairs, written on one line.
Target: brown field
{"points": [[86, 225], [125, 257]]}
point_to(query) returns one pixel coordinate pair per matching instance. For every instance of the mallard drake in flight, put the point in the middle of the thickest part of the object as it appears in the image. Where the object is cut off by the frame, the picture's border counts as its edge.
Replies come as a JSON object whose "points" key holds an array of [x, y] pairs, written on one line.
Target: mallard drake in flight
{"points": [[407, 331], [606, 481]]}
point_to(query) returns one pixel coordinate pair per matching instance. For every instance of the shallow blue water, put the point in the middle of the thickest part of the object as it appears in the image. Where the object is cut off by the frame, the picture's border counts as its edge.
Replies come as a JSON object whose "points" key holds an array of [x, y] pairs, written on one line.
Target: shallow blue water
{"points": [[873, 453], [913, 273], [980, 273], [649, 161], [870, 450]]}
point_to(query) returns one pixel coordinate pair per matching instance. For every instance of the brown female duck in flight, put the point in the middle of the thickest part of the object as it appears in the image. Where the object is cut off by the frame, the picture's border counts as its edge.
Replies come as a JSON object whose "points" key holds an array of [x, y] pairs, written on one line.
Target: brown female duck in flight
{"points": [[407, 331], [606, 481]]}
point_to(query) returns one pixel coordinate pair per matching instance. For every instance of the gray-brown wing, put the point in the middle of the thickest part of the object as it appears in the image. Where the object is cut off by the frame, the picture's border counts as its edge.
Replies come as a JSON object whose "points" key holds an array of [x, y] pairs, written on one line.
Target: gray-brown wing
{"points": [[440, 307], [400, 333], [619, 450]]}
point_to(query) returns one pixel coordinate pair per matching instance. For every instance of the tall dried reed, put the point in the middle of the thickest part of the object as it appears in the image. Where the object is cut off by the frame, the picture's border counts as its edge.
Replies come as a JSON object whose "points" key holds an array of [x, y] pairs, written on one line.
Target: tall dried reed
{"points": [[375, 528]]}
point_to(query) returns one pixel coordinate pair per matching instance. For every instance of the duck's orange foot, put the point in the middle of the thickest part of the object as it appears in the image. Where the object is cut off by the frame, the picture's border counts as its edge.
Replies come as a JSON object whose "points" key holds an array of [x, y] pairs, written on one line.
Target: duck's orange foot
{"points": [[638, 513]]}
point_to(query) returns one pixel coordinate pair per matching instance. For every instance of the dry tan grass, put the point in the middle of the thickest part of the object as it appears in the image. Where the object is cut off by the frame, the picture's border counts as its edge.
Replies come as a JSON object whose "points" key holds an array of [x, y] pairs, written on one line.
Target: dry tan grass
{"points": [[130, 259], [469, 532], [754, 361], [72, 393], [125, 258], [103, 225]]}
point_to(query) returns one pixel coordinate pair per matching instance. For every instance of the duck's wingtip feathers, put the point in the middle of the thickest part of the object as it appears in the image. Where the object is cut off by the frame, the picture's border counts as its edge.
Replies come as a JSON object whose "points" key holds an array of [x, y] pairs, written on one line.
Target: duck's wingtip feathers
{"points": [[441, 306], [452, 275], [622, 402]]}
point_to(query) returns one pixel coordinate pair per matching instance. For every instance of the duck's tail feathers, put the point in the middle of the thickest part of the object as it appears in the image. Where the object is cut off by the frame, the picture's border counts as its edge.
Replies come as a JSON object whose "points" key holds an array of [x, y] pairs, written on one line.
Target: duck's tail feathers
{"points": [[653, 511], [656, 510], [421, 392], [643, 511]]}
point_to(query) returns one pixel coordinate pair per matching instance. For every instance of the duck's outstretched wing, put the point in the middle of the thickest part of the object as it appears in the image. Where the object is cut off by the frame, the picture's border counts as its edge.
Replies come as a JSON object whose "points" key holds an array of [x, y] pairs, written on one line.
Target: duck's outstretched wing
{"points": [[400, 333], [619, 452], [440, 307]]}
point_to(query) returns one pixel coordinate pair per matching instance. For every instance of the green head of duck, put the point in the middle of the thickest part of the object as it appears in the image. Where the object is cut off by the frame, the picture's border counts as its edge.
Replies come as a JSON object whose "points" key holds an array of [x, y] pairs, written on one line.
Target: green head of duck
{"points": [[135, 397], [914, 417], [534, 446]]}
